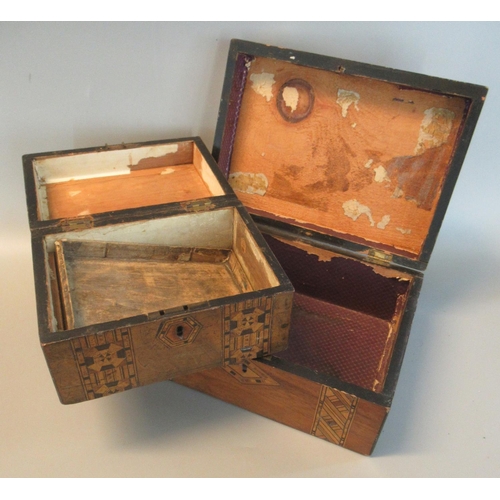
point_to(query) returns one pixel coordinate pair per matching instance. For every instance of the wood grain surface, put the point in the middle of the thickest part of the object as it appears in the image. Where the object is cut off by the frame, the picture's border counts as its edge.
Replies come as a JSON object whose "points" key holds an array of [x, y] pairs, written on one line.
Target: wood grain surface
{"points": [[139, 188], [308, 406], [367, 160], [110, 281]]}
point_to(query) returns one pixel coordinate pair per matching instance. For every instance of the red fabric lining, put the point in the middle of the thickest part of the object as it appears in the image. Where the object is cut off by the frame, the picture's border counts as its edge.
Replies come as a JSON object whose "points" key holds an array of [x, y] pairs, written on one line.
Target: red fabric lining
{"points": [[337, 341]]}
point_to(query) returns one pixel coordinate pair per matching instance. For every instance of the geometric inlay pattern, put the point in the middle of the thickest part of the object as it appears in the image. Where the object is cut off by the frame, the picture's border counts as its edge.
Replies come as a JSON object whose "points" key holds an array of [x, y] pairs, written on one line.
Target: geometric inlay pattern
{"points": [[106, 362], [247, 330], [334, 415], [249, 373], [179, 331]]}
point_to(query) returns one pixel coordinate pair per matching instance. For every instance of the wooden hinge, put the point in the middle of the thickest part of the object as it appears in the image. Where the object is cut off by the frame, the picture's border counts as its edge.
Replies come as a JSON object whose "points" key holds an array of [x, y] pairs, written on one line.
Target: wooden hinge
{"points": [[379, 257], [77, 223]]}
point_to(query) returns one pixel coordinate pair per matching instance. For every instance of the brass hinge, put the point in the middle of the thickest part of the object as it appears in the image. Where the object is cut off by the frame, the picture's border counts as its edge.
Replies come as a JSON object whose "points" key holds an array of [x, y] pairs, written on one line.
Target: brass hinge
{"points": [[197, 205], [379, 257], [77, 223]]}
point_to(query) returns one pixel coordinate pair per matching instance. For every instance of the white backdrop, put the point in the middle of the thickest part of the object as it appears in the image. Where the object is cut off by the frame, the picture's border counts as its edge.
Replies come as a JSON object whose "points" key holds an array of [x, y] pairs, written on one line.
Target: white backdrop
{"points": [[65, 86]]}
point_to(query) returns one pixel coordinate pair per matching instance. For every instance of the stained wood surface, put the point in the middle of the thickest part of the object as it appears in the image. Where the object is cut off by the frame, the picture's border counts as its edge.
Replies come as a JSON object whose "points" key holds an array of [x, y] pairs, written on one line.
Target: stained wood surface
{"points": [[278, 395], [104, 363], [110, 281], [368, 159], [140, 188], [298, 402], [255, 265], [55, 292]]}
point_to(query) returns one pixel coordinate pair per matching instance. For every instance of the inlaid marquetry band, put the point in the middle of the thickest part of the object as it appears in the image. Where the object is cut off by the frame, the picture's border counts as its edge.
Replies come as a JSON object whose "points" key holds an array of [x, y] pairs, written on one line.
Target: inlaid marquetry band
{"points": [[179, 331], [334, 415], [250, 373], [247, 330], [106, 362]]}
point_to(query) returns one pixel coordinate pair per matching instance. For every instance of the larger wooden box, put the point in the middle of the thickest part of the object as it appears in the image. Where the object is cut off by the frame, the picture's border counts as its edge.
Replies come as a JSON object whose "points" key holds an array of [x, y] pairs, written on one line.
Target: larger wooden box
{"points": [[146, 267], [348, 169]]}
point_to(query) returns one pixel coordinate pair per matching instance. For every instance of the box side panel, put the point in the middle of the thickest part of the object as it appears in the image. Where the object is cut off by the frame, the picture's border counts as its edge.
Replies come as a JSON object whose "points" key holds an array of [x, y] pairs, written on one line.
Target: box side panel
{"points": [[366, 426], [267, 391], [280, 326], [247, 329], [317, 409], [250, 255], [177, 345], [101, 364], [64, 371]]}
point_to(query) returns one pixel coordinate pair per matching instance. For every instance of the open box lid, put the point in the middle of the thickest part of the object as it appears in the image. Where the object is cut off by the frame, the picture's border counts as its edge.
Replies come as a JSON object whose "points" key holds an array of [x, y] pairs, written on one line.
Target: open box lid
{"points": [[79, 189], [363, 155]]}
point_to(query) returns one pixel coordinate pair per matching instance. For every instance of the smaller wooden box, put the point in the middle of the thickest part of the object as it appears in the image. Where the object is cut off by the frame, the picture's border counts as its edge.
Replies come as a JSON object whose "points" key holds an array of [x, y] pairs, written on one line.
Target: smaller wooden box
{"points": [[348, 169], [146, 267]]}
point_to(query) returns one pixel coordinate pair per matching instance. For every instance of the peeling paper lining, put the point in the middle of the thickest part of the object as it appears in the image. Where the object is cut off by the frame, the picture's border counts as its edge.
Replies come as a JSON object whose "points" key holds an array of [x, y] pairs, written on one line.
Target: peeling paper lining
{"points": [[98, 164], [384, 221], [262, 83], [248, 182], [354, 209], [398, 193], [291, 97], [381, 174], [346, 98], [434, 129]]}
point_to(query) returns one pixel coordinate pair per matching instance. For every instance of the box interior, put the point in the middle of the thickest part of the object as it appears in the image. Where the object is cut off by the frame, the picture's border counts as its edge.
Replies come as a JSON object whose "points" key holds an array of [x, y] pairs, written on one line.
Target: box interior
{"points": [[79, 184], [360, 158], [346, 313], [150, 267]]}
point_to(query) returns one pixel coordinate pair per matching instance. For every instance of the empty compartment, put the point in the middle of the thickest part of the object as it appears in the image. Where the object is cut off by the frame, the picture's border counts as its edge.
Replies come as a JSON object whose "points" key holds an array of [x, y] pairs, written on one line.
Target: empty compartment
{"points": [[346, 313], [79, 184], [124, 270]]}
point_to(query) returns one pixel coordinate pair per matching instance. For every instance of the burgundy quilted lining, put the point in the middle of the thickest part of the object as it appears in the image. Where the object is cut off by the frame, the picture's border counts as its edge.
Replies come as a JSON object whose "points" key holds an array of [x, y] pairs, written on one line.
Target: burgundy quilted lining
{"points": [[341, 315], [343, 281], [234, 105], [336, 341]]}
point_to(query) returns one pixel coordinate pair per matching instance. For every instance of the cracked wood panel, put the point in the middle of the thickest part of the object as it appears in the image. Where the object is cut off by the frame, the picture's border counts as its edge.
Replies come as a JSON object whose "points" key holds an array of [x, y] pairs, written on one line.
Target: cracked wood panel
{"points": [[353, 155]]}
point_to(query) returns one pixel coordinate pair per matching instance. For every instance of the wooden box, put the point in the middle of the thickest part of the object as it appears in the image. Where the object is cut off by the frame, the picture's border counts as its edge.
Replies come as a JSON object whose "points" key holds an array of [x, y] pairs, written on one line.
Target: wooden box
{"points": [[147, 266], [348, 169]]}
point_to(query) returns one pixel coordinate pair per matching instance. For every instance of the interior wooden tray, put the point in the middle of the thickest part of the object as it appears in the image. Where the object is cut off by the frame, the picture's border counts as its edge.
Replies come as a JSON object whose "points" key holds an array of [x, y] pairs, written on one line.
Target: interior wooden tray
{"points": [[346, 313], [79, 184], [153, 266], [102, 281]]}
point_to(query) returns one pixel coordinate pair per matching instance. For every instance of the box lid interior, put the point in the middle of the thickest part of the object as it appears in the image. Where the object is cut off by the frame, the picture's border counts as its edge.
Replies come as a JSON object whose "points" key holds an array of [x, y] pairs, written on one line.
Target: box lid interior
{"points": [[82, 183], [366, 154]]}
